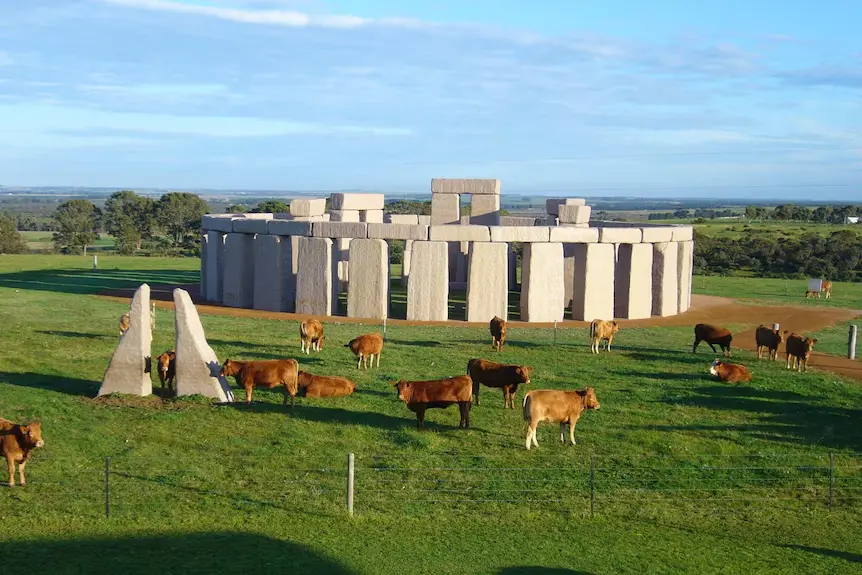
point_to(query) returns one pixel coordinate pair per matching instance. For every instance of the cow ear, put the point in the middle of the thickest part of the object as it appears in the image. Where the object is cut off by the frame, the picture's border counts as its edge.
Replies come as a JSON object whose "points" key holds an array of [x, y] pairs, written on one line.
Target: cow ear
{"points": [[813, 341]]}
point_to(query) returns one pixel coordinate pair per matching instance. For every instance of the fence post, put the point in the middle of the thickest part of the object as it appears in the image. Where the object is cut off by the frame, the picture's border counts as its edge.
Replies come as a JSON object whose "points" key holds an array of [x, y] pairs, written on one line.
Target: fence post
{"points": [[555, 332], [95, 262], [592, 485], [831, 479], [350, 475], [851, 343], [107, 487]]}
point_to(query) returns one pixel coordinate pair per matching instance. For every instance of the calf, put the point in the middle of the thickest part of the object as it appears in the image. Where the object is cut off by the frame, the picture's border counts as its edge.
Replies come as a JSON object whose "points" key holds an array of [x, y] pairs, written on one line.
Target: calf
{"points": [[267, 373], [17, 441], [798, 349], [712, 335], [311, 334], [323, 386], [493, 374], [826, 287], [768, 339], [167, 367], [125, 322], [440, 393], [602, 330], [811, 294], [564, 407], [498, 333], [370, 344], [730, 372]]}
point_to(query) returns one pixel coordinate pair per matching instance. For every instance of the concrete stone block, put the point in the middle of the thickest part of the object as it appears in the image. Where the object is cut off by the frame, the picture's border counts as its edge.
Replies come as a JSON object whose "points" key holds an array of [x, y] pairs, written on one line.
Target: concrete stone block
{"points": [[573, 235], [372, 216], [308, 207], [214, 268], [542, 284], [469, 233], [405, 265], [485, 210], [574, 214], [520, 234], [238, 271], [356, 201], [288, 228], [250, 226], [218, 223], [569, 253], [462, 256], [620, 236], [487, 282], [517, 221], [273, 278], [513, 268], [410, 219], [315, 284], [344, 215], [368, 293], [204, 265], [474, 186], [593, 291], [654, 235], [552, 205], [339, 230], [426, 220], [129, 368], [445, 209], [319, 218], [683, 234], [256, 216], [428, 288], [341, 261], [665, 283], [397, 231], [633, 281], [684, 270], [197, 366]]}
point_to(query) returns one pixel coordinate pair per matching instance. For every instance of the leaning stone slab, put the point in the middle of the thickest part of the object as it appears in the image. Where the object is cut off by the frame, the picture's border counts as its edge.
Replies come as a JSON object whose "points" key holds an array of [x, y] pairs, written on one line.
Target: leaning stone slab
{"points": [[401, 219], [620, 236], [273, 280], [665, 291], [197, 366], [542, 284], [129, 369], [250, 225], [683, 234], [520, 234], [552, 205], [574, 214], [288, 228], [445, 209], [459, 233], [633, 281], [368, 292], [487, 282], [574, 235], [308, 207], [354, 201], [238, 271], [485, 210], [652, 235], [593, 290], [475, 186], [340, 230], [315, 284], [428, 287], [397, 232]]}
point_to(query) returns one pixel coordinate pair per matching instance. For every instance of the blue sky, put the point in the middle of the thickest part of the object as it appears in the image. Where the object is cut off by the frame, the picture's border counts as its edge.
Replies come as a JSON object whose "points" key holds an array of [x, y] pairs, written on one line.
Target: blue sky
{"points": [[662, 98]]}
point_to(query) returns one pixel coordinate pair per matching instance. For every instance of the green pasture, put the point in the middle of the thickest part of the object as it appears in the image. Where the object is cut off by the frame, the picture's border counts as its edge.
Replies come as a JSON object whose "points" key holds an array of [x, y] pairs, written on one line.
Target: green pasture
{"points": [[736, 228], [689, 475], [773, 291], [43, 242]]}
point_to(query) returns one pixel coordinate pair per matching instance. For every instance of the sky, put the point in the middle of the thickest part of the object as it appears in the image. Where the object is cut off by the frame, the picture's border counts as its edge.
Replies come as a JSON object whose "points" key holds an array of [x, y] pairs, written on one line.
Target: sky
{"points": [[631, 98]]}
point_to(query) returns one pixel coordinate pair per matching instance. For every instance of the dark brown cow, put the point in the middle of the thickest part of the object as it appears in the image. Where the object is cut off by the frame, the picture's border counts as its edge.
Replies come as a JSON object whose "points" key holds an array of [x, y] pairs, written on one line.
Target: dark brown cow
{"points": [[498, 333], [602, 330], [323, 386], [167, 367], [712, 335], [564, 407], [311, 335], [730, 372], [499, 375], [17, 441], [267, 373], [798, 349], [439, 393], [370, 344], [769, 339]]}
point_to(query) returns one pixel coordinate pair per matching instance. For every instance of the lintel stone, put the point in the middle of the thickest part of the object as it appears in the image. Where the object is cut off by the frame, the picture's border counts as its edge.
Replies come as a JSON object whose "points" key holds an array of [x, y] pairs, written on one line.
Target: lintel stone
{"points": [[356, 201], [288, 228], [520, 234], [397, 232], [574, 235], [250, 226], [657, 235], [339, 230], [620, 235], [468, 233], [308, 207], [683, 233], [475, 186]]}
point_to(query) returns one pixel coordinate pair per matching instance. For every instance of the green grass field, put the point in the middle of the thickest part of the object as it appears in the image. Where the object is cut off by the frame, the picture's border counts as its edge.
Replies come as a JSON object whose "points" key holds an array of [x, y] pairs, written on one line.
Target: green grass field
{"points": [[689, 475], [735, 229], [43, 242]]}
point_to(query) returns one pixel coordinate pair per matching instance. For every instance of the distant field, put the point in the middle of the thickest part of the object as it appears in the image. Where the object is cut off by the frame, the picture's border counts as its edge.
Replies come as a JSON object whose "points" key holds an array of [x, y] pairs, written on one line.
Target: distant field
{"points": [[769, 291], [42, 242], [737, 228]]}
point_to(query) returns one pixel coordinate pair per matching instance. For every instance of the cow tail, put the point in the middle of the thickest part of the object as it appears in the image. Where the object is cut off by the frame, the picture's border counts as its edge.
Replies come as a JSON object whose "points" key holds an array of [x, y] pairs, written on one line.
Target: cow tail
{"points": [[303, 329], [592, 329], [527, 406]]}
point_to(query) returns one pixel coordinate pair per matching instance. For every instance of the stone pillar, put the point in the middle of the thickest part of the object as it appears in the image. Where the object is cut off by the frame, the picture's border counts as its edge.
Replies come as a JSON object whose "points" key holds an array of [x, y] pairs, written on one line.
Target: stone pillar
{"points": [[542, 285], [405, 265], [428, 288], [633, 281], [315, 279], [273, 288], [204, 248], [487, 283], [129, 368], [593, 287], [368, 293], [568, 273], [445, 209], [513, 268], [485, 210], [214, 266], [684, 269], [665, 290], [238, 269]]}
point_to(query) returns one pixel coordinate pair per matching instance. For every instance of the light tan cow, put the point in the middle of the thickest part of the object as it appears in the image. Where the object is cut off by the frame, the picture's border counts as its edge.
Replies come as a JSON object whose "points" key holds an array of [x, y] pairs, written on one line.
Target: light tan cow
{"points": [[602, 330], [311, 335], [564, 407]]}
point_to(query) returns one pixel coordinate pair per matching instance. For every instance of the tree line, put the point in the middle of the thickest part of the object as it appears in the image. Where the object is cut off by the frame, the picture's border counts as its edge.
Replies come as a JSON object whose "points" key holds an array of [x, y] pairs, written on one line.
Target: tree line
{"points": [[781, 213]]}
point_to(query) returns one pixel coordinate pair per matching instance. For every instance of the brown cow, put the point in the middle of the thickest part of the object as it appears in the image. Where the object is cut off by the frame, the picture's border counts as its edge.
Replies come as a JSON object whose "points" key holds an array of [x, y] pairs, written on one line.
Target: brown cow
{"points": [[798, 349], [730, 372], [17, 441], [712, 335], [602, 330], [826, 287], [440, 393], [311, 334], [493, 374], [768, 339], [564, 407], [498, 333], [167, 367], [370, 344], [267, 373], [323, 386], [125, 323]]}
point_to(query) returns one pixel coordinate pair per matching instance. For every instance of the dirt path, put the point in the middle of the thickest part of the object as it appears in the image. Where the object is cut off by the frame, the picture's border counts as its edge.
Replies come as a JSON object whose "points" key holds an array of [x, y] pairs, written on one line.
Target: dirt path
{"points": [[704, 309]]}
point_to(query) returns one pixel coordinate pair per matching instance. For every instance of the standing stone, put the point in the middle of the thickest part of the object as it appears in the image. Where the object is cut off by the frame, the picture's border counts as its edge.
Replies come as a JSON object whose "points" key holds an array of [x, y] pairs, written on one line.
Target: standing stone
{"points": [[513, 267], [368, 292], [215, 266], [273, 289], [203, 285], [542, 285], [129, 369], [633, 281], [568, 273], [593, 289], [405, 262], [665, 290], [341, 260], [315, 283], [684, 270], [485, 210], [197, 366], [463, 253], [239, 270], [428, 288], [445, 209], [487, 281]]}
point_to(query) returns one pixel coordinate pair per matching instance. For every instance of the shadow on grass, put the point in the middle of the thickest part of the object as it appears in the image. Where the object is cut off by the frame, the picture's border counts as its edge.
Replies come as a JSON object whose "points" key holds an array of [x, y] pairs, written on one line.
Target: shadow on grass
{"points": [[58, 383], [704, 376], [427, 343], [851, 557], [535, 570], [219, 552], [78, 281], [311, 410], [80, 334]]}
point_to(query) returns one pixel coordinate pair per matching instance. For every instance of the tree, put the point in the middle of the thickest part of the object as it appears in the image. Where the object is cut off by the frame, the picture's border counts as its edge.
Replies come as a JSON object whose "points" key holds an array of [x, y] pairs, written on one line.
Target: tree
{"points": [[77, 221], [11, 240], [130, 218], [235, 209], [179, 214], [751, 212], [408, 207], [271, 207]]}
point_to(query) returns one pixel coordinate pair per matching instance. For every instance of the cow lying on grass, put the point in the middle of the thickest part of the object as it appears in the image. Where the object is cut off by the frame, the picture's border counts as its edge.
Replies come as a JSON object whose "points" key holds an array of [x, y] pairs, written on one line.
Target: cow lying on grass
{"points": [[264, 373], [493, 374], [713, 335], [17, 441], [564, 407], [730, 372], [323, 386], [439, 393]]}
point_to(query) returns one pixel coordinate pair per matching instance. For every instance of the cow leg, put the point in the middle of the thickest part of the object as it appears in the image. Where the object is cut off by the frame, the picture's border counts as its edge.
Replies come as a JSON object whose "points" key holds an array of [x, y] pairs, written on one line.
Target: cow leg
{"points": [[21, 473], [562, 431], [694, 347], [11, 464], [535, 442], [572, 422], [610, 341], [420, 418], [465, 413], [359, 363], [712, 347], [378, 358], [531, 436]]}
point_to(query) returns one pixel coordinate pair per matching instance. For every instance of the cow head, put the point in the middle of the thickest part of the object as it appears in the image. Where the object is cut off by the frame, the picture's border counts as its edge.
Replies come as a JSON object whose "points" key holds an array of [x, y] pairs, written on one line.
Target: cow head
{"points": [[590, 399], [164, 362], [403, 388], [32, 433], [615, 327], [320, 342], [809, 346], [230, 368], [713, 370], [524, 372]]}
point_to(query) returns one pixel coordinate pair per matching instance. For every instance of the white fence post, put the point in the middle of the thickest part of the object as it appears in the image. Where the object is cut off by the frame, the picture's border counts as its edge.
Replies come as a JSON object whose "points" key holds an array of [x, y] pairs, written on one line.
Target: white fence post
{"points": [[350, 476]]}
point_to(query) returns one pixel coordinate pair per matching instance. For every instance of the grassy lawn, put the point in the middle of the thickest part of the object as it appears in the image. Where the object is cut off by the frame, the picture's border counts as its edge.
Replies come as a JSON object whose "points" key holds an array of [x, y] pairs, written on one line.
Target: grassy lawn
{"points": [[770, 291], [833, 339], [737, 228], [43, 241], [689, 475]]}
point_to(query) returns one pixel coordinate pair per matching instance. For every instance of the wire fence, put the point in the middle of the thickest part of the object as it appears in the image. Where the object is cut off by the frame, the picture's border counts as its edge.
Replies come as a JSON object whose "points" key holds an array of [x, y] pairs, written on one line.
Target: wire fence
{"points": [[595, 484]]}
